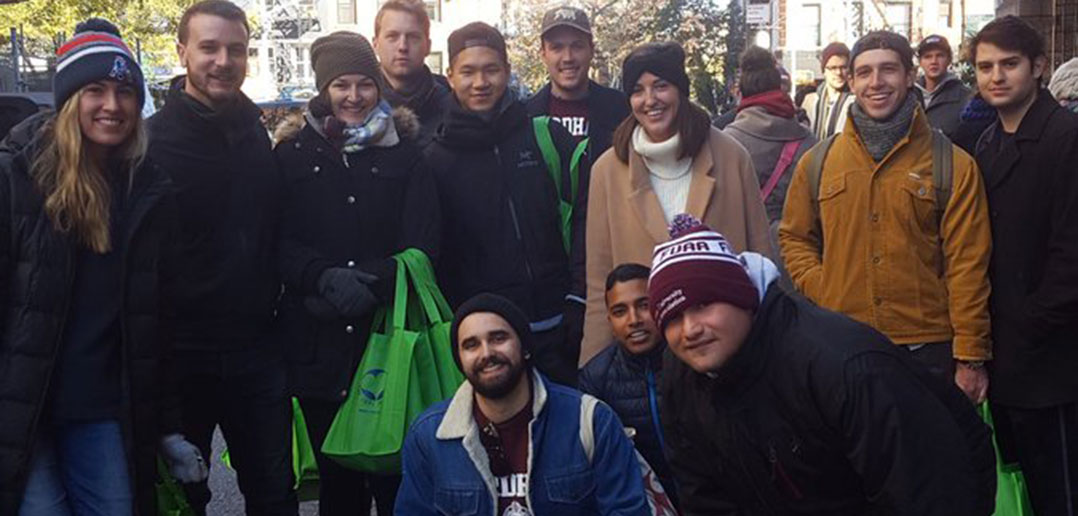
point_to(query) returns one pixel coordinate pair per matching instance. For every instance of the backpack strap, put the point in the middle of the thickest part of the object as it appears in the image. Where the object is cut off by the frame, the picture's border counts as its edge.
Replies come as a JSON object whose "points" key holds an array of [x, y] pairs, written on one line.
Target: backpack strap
{"points": [[785, 159], [541, 128], [817, 156], [942, 170], [574, 168], [587, 424]]}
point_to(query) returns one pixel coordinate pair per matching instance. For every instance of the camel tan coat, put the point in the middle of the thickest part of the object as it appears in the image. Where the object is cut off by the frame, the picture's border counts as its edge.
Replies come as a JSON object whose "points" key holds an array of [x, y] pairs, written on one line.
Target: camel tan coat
{"points": [[625, 221]]}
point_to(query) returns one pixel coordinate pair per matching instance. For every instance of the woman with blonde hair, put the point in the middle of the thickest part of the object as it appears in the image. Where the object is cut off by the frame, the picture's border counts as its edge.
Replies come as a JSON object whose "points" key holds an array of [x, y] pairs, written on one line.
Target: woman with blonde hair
{"points": [[666, 159], [86, 225]]}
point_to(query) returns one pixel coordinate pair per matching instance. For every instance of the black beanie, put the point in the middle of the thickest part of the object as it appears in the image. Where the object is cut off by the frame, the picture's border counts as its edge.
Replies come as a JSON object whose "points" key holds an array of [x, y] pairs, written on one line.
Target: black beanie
{"points": [[665, 59], [476, 34], [95, 52], [503, 308], [342, 53]]}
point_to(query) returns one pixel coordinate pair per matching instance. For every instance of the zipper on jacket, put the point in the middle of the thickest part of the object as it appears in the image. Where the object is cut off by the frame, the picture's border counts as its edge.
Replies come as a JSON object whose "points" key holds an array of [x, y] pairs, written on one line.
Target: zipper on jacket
{"points": [[778, 472], [513, 216], [654, 402]]}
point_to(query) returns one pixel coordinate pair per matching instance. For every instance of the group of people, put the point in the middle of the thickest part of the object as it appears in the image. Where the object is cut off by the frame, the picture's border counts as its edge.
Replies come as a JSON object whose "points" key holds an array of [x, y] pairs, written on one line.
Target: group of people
{"points": [[796, 314]]}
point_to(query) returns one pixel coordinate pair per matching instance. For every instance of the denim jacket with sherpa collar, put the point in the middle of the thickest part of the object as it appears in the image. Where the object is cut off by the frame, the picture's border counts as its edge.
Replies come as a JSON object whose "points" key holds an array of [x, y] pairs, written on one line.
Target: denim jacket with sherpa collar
{"points": [[447, 471]]}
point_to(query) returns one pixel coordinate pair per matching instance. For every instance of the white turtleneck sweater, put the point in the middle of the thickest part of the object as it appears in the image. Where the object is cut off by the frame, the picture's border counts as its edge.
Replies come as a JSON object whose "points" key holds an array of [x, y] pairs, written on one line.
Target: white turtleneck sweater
{"points": [[670, 177]]}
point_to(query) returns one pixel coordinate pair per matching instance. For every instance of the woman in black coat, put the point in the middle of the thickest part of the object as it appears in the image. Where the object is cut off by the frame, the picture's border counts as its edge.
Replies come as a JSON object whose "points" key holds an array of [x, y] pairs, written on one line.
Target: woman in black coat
{"points": [[85, 223], [358, 191]]}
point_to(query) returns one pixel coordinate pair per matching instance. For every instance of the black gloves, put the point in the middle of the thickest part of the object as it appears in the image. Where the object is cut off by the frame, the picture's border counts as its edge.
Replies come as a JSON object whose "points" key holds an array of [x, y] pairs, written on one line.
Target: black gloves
{"points": [[347, 290]]}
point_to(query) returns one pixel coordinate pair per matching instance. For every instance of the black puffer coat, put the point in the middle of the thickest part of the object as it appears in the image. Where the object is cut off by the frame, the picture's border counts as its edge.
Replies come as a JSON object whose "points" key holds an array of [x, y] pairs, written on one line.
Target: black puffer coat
{"points": [[37, 267], [630, 385], [819, 414], [346, 210]]}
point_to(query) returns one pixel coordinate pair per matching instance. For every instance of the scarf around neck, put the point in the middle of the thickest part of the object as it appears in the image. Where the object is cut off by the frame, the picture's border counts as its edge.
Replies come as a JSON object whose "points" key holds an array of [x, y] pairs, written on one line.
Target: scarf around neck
{"points": [[377, 130], [415, 99], [776, 102], [880, 136]]}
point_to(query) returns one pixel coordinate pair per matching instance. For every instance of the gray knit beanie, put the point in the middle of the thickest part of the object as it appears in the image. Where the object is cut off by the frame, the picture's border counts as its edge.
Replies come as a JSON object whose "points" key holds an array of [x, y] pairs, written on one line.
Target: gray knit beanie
{"points": [[342, 53]]}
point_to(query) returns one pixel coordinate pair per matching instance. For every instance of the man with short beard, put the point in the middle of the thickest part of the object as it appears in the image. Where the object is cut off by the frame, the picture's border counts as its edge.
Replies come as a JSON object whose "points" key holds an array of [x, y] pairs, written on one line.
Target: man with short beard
{"points": [[209, 138], [402, 42], [871, 231], [1028, 158], [586, 109], [511, 443], [944, 94]]}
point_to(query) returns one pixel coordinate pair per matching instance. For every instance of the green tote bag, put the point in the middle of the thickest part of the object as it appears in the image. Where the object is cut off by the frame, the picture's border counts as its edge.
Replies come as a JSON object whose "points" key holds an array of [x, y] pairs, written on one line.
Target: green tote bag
{"points": [[368, 430], [437, 318], [1011, 496]]}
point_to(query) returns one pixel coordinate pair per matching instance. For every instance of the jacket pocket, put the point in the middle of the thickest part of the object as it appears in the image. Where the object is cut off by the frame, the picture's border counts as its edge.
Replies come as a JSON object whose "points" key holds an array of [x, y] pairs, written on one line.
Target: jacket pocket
{"points": [[832, 188], [573, 488], [922, 203], [456, 502]]}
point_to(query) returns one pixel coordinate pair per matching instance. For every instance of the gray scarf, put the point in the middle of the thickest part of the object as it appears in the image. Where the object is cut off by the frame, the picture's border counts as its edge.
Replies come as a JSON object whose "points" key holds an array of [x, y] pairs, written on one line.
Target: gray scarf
{"points": [[880, 136]]}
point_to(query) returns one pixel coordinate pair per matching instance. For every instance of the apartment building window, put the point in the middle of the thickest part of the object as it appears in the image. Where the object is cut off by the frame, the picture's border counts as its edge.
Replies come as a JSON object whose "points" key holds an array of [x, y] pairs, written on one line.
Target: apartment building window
{"points": [[434, 9], [946, 13], [302, 69], [346, 11], [898, 17], [813, 33], [434, 62]]}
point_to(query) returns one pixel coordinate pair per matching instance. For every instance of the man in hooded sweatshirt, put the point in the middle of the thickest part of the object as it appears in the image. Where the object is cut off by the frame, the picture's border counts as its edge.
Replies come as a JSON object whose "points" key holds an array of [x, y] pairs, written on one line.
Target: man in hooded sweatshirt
{"points": [[944, 94], [766, 125], [502, 225]]}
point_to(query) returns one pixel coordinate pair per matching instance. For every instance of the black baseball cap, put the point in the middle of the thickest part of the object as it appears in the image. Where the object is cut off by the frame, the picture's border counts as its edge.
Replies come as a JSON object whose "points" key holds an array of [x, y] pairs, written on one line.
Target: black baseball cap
{"points": [[566, 16], [934, 41]]}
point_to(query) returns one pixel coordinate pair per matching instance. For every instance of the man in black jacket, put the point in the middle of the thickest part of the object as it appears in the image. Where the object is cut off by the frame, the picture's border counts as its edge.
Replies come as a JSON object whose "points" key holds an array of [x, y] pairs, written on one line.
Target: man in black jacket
{"points": [[943, 92], [502, 208], [402, 41], [586, 109], [772, 405], [626, 375], [1028, 160], [209, 138]]}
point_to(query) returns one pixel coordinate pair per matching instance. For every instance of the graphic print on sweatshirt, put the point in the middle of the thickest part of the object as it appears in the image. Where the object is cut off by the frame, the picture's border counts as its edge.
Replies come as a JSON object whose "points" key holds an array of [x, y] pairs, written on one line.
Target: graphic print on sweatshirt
{"points": [[571, 114], [506, 444]]}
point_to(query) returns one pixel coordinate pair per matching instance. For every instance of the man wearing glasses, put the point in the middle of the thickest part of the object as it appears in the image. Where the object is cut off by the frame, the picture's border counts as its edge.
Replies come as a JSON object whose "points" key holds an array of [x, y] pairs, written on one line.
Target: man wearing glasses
{"points": [[827, 106]]}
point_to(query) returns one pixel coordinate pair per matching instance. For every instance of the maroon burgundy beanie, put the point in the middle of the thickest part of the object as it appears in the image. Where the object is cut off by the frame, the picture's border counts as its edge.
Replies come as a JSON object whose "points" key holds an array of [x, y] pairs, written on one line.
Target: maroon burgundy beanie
{"points": [[696, 267]]}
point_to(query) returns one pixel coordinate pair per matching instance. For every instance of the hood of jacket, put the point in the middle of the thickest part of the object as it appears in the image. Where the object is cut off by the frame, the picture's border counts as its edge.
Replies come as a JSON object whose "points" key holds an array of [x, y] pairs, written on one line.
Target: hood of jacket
{"points": [[950, 89], [1064, 83], [757, 122]]}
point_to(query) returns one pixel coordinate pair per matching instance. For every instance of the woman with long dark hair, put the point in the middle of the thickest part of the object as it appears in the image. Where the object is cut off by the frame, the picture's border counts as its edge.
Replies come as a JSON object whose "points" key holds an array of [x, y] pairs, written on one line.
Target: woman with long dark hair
{"points": [[85, 227]]}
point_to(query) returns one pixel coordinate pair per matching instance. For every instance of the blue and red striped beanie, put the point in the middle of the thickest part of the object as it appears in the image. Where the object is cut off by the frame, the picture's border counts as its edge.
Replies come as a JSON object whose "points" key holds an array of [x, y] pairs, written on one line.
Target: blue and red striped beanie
{"points": [[96, 52]]}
